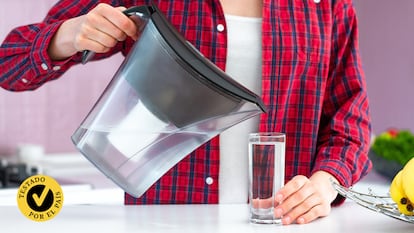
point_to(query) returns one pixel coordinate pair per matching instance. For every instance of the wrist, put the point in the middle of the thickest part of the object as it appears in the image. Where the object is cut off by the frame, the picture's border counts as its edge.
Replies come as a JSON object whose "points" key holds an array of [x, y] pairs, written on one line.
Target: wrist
{"points": [[325, 180], [61, 45]]}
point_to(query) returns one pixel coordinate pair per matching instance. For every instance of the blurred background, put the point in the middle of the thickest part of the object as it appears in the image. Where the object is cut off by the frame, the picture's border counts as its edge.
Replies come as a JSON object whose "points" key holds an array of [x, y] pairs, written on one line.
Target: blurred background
{"points": [[49, 115]]}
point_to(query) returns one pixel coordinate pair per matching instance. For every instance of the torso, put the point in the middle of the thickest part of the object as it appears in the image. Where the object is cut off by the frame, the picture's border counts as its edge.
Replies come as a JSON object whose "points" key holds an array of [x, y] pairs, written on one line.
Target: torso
{"points": [[243, 21]]}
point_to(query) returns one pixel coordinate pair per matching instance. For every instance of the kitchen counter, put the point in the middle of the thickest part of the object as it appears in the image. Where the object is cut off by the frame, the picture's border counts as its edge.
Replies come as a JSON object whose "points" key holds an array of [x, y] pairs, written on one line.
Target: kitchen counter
{"points": [[192, 218]]}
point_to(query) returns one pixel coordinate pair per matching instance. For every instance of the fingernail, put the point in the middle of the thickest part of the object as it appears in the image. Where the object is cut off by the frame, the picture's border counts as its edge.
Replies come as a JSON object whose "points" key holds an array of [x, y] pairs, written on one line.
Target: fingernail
{"points": [[301, 220], [286, 220], [278, 212], [278, 197]]}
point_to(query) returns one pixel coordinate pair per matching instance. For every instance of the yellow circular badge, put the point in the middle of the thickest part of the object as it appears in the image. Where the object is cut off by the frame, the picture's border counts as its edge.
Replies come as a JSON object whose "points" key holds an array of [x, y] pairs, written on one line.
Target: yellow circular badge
{"points": [[40, 198]]}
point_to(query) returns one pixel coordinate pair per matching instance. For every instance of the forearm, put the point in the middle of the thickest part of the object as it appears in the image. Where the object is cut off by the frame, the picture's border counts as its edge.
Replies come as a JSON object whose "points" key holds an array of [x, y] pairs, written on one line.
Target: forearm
{"points": [[37, 53], [62, 45], [24, 60]]}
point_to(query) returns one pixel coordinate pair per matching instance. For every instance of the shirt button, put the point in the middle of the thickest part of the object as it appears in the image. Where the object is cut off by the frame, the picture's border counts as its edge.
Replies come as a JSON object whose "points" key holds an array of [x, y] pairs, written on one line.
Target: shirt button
{"points": [[56, 68], [24, 80], [209, 180], [316, 1], [220, 27], [44, 66]]}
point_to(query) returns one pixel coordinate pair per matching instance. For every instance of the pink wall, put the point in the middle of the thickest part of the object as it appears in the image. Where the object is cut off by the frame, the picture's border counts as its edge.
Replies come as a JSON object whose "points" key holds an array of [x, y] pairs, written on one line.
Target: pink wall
{"points": [[387, 47], [49, 115]]}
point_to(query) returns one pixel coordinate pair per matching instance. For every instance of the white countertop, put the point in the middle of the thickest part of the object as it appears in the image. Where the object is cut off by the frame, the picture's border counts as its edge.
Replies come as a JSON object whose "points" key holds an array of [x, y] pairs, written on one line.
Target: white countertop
{"points": [[192, 218]]}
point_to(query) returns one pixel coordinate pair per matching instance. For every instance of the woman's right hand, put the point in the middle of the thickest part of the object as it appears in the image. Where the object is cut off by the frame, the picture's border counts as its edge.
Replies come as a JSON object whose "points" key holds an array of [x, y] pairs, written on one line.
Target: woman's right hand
{"points": [[98, 31]]}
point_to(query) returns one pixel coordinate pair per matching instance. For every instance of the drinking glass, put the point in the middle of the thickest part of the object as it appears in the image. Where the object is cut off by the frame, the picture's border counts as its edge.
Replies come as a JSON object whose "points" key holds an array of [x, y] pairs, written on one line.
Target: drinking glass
{"points": [[266, 175]]}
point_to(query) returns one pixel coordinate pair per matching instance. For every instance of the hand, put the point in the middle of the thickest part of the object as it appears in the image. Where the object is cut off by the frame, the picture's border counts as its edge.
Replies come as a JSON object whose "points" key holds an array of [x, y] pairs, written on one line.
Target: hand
{"points": [[98, 31], [303, 200]]}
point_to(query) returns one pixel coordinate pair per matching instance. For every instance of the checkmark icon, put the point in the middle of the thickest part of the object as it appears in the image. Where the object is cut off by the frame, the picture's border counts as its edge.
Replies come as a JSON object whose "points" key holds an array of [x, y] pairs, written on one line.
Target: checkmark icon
{"points": [[40, 199]]}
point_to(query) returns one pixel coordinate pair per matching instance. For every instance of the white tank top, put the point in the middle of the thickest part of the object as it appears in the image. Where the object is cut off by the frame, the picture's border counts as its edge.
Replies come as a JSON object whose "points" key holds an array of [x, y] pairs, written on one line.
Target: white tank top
{"points": [[244, 60]]}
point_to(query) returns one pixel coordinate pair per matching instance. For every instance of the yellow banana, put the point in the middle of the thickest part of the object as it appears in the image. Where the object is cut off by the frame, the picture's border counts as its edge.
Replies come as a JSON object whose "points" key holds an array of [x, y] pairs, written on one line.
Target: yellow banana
{"points": [[398, 195], [406, 209], [407, 179], [396, 191]]}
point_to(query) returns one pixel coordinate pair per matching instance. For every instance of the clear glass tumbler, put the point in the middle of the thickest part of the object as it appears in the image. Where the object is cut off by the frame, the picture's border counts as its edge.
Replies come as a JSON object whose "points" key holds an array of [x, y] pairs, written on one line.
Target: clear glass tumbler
{"points": [[266, 175]]}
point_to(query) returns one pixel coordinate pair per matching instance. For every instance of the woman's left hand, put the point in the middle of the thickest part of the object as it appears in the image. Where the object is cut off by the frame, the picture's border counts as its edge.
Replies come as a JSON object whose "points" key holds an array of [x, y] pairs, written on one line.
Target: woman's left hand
{"points": [[303, 199]]}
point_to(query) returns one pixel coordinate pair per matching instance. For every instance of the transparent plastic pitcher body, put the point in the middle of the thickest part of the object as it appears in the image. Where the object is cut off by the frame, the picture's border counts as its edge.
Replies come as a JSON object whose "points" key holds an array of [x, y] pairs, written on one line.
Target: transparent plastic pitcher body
{"points": [[164, 101]]}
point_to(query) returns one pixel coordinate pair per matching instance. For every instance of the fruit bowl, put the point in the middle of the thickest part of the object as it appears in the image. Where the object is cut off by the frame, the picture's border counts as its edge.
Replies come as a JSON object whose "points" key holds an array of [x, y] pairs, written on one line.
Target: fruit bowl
{"points": [[381, 204]]}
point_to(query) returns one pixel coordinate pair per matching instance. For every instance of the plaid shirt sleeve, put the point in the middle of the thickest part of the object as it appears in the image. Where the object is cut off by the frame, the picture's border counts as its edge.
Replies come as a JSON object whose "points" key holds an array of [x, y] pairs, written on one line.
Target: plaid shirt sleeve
{"points": [[24, 61], [345, 121]]}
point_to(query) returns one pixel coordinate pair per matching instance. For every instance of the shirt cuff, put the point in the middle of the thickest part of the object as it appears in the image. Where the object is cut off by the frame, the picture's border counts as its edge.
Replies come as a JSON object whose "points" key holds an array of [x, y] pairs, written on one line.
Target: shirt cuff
{"points": [[42, 64], [341, 173]]}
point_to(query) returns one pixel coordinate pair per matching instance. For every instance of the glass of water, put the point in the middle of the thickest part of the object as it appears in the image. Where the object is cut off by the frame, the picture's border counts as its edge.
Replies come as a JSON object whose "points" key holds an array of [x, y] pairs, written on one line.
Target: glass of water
{"points": [[266, 175]]}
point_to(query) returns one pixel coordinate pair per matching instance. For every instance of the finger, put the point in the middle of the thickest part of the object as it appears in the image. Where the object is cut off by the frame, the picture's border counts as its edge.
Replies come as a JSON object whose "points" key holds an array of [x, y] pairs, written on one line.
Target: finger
{"points": [[102, 24], [314, 213], [296, 199], [308, 206], [291, 187], [101, 43], [91, 46], [121, 8], [118, 19], [94, 40], [107, 34]]}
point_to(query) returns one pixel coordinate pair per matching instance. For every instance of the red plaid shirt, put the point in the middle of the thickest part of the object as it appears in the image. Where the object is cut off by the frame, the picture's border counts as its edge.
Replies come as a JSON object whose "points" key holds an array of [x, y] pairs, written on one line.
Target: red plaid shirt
{"points": [[312, 84]]}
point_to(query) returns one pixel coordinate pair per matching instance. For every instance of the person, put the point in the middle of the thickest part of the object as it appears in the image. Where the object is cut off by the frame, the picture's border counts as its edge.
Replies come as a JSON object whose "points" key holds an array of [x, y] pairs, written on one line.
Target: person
{"points": [[302, 57]]}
